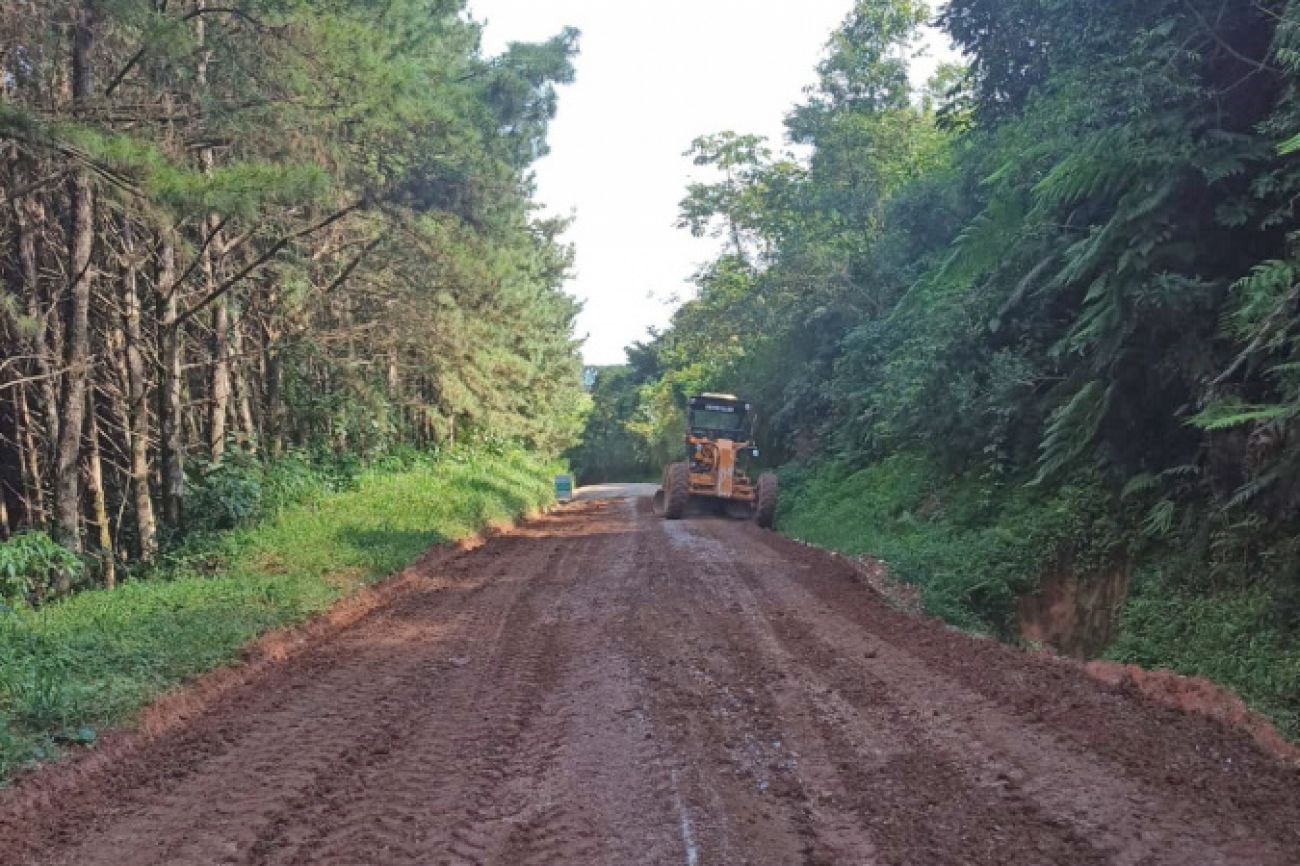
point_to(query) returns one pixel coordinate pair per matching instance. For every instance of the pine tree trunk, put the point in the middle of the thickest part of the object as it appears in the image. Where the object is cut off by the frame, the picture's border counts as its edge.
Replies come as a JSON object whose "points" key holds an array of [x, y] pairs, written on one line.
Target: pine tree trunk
{"points": [[99, 501], [31, 462], [219, 381], [273, 393], [193, 429], [241, 389], [26, 217], [137, 398], [10, 450], [275, 401], [219, 388], [170, 407], [77, 337]]}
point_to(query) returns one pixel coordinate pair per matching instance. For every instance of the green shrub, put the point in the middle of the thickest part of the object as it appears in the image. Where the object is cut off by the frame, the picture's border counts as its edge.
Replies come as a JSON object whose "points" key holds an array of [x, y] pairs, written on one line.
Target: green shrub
{"points": [[33, 567], [225, 495], [402, 457], [290, 480]]}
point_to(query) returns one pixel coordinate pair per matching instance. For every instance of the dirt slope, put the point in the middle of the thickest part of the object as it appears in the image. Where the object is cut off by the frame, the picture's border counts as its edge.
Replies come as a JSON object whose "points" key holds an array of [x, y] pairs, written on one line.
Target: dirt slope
{"points": [[602, 687]]}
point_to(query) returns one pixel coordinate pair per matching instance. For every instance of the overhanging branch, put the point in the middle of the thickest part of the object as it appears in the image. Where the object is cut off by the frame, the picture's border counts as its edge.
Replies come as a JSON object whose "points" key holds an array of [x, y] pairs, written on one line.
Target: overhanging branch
{"points": [[265, 257]]}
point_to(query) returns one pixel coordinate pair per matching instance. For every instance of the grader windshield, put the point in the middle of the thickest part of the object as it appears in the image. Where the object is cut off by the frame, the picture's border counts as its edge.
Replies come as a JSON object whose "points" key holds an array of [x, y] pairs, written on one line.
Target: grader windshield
{"points": [[718, 417]]}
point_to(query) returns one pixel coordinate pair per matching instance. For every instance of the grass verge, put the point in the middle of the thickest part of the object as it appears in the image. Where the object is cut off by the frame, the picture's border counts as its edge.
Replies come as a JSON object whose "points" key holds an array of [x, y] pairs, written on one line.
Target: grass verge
{"points": [[90, 661], [1228, 635], [971, 545]]}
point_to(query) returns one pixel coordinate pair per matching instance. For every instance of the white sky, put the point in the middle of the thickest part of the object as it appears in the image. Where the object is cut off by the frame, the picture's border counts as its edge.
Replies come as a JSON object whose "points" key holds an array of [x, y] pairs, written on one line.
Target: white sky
{"points": [[650, 79]]}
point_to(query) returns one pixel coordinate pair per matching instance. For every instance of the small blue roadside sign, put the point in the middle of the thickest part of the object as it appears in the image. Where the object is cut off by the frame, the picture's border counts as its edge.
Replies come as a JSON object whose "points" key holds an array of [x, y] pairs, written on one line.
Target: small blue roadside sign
{"points": [[564, 488]]}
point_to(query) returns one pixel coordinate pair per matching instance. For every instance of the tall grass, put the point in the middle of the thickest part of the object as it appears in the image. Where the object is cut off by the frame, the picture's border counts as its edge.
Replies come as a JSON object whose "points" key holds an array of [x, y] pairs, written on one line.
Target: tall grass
{"points": [[1228, 635], [971, 544], [72, 667]]}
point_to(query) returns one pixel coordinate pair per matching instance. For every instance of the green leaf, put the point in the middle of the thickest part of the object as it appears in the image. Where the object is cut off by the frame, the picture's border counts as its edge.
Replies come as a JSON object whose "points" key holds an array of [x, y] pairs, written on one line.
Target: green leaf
{"points": [[1230, 413]]}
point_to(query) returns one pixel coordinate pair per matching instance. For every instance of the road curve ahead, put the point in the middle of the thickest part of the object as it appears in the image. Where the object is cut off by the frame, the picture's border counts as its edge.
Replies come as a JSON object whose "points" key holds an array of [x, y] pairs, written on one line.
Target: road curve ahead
{"points": [[604, 687]]}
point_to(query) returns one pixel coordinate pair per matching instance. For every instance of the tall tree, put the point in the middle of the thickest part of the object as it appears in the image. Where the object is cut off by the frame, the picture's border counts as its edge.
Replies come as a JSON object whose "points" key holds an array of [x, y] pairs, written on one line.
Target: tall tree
{"points": [[304, 225], [81, 274]]}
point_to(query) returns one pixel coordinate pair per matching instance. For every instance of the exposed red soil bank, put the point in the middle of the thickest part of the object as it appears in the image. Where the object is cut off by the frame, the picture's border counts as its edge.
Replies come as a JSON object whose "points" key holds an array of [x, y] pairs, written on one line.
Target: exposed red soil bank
{"points": [[1196, 695]]}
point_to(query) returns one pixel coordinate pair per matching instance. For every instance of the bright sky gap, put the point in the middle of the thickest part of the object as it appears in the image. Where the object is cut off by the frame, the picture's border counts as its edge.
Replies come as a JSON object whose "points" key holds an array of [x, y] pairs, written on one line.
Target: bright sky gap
{"points": [[648, 84]]}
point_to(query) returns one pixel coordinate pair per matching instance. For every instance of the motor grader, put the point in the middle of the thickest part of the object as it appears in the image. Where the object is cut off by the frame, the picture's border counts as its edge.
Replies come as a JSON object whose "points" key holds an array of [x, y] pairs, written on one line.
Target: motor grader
{"points": [[718, 438]]}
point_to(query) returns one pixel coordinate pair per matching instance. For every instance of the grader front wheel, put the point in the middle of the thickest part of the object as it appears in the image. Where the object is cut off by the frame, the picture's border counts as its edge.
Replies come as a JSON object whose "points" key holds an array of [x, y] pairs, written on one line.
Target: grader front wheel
{"points": [[677, 490], [765, 500]]}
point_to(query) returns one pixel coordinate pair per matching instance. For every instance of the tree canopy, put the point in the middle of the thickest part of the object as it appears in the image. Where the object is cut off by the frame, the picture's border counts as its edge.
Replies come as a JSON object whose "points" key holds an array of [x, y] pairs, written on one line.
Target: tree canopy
{"points": [[269, 225]]}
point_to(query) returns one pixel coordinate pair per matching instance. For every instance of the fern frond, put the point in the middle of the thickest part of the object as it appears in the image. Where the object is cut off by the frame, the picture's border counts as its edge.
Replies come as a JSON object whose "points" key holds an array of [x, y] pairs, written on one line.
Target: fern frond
{"points": [[1224, 414], [1072, 428], [1160, 519], [1251, 490], [984, 243], [1098, 167], [1185, 470], [1260, 295], [1286, 39], [1140, 483]]}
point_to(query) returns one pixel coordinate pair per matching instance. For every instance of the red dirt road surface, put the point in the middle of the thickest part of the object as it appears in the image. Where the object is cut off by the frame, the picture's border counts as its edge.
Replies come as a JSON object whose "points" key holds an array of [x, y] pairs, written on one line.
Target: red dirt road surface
{"points": [[604, 687]]}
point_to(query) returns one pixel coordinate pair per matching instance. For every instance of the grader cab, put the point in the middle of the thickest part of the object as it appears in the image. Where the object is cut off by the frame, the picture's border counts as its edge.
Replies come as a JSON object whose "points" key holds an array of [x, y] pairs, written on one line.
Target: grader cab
{"points": [[719, 444]]}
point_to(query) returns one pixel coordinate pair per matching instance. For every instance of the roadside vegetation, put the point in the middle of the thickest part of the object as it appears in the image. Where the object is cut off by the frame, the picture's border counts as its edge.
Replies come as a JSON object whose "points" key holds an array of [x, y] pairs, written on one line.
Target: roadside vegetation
{"points": [[1045, 305], [610, 449], [277, 313], [972, 545], [234, 232], [76, 665]]}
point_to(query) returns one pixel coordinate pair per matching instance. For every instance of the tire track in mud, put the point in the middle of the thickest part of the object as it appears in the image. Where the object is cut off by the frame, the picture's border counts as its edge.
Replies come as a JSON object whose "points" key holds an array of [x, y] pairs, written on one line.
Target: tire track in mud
{"points": [[517, 741], [615, 771], [601, 687], [463, 789], [349, 709], [1018, 771], [1128, 818], [1141, 764], [472, 740], [389, 804], [735, 754], [851, 756]]}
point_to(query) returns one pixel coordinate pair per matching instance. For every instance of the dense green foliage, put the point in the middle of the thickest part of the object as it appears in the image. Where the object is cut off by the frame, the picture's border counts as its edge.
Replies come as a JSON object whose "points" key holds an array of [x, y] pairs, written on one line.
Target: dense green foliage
{"points": [[73, 666], [1061, 281], [33, 566], [611, 449], [1230, 634], [232, 231]]}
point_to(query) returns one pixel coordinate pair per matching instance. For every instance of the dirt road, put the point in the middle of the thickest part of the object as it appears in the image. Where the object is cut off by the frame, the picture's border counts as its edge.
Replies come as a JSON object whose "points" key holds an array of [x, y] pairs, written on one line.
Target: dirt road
{"points": [[603, 687]]}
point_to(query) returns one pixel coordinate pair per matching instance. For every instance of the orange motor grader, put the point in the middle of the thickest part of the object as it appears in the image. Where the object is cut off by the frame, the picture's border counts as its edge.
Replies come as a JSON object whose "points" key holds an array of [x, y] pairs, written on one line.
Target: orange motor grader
{"points": [[718, 439]]}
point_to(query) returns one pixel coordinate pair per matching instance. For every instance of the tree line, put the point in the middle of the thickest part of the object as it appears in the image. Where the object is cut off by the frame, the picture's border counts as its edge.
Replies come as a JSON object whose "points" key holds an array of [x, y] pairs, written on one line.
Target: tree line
{"points": [[1073, 256], [241, 229]]}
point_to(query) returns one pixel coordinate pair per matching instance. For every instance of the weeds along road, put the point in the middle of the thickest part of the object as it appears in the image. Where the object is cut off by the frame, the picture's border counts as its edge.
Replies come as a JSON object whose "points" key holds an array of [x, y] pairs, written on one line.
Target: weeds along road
{"points": [[603, 687]]}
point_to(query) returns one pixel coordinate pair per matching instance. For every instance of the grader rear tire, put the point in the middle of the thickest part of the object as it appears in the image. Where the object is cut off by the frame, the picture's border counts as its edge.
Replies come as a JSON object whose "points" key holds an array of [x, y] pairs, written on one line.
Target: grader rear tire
{"points": [[765, 500], [677, 490]]}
